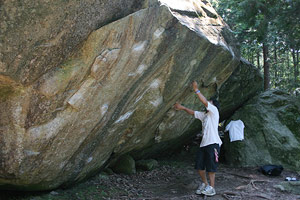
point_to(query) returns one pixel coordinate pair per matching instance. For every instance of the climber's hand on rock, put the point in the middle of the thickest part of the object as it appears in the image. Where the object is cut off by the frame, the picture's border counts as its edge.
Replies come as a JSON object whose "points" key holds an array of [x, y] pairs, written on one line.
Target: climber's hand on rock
{"points": [[178, 106]]}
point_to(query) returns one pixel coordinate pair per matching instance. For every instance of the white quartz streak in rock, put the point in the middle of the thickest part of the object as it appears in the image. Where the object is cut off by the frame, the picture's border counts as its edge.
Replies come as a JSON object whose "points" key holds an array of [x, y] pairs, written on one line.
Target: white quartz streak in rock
{"points": [[140, 46], [79, 97], [89, 159], [140, 70], [140, 97], [157, 138], [155, 83], [193, 62], [48, 130], [104, 109], [157, 102], [124, 117], [158, 32], [31, 153], [137, 141]]}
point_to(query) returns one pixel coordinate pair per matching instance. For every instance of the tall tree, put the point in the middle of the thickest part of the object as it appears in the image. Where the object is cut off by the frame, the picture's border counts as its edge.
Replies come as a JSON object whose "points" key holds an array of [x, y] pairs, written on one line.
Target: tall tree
{"points": [[261, 24], [266, 66]]}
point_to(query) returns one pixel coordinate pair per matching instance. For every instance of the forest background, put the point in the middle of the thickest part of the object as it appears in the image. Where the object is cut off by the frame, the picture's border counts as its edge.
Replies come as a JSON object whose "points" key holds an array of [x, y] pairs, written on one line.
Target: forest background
{"points": [[268, 32]]}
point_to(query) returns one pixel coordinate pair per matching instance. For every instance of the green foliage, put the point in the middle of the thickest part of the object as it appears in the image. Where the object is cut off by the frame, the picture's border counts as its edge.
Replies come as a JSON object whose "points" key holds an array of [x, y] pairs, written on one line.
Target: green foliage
{"points": [[274, 23]]}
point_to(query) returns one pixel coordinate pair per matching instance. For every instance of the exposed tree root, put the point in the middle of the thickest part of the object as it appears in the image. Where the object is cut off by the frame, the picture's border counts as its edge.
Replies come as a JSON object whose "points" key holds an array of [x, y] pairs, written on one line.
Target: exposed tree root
{"points": [[242, 195]]}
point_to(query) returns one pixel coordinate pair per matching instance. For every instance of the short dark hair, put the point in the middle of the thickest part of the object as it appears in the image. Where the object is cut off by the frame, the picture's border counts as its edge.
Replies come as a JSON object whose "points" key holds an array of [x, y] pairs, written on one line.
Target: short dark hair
{"points": [[215, 102]]}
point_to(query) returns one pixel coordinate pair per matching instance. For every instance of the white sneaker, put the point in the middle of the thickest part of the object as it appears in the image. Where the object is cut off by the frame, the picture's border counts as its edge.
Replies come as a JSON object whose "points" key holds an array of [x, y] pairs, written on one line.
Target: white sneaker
{"points": [[200, 188], [209, 191]]}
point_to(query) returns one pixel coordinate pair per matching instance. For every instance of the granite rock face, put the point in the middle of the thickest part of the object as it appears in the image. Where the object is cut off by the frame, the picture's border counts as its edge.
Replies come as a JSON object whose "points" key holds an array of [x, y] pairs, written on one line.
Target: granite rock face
{"points": [[67, 108], [37, 36], [245, 82], [272, 134]]}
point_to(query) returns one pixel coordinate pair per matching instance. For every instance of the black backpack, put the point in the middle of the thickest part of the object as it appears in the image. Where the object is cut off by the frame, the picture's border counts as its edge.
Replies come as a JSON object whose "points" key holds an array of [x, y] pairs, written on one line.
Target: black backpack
{"points": [[271, 170]]}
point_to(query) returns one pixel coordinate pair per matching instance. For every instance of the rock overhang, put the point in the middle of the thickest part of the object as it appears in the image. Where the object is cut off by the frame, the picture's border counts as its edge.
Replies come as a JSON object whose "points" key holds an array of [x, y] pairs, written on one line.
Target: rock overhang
{"points": [[110, 97]]}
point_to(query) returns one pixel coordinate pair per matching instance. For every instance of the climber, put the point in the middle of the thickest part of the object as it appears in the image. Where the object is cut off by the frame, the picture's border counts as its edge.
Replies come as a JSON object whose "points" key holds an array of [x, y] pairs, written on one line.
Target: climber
{"points": [[208, 153]]}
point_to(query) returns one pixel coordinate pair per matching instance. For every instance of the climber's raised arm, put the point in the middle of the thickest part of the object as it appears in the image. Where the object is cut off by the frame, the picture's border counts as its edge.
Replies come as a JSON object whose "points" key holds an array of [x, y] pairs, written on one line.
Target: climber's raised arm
{"points": [[199, 94]]}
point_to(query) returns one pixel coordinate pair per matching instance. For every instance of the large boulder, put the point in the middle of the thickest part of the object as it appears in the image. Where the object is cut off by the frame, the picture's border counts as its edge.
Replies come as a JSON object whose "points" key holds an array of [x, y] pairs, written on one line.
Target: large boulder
{"points": [[146, 165], [61, 123], [125, 165], [38, 35], [245, 82], [272, 133]]}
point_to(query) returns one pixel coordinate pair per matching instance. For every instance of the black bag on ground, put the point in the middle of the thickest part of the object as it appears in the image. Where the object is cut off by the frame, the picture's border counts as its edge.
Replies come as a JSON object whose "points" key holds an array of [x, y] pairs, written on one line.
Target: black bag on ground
{"points": [[271, 170]]}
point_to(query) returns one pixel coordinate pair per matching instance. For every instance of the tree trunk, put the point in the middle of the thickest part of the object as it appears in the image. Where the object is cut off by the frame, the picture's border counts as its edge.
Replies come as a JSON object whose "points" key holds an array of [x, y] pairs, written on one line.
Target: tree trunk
{"points": [[275, 65], [295, 63], [252, 57], [288, 65], [266, 67], [248, 55], [257, 59]]}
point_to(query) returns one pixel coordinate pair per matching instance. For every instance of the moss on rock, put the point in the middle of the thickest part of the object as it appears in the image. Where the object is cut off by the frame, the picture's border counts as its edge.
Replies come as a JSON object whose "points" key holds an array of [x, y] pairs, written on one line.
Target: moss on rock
{"points": [[125, 165], [270, 134], [146, 165]]}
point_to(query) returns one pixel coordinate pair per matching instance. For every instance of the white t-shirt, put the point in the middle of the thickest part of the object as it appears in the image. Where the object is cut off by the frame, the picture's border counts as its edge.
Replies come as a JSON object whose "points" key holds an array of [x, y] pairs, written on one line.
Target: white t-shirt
{"points": [[210, 122], [236, 130]]}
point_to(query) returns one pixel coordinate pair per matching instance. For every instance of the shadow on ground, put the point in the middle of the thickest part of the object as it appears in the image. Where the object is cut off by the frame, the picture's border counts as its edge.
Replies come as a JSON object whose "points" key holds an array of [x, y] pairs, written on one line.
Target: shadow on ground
{"points": [[173, 179]]}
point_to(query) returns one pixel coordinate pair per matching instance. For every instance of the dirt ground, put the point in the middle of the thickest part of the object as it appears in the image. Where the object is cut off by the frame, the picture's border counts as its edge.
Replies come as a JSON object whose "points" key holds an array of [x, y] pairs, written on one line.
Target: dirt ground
{"points": [[170, 180], [180, 182]]}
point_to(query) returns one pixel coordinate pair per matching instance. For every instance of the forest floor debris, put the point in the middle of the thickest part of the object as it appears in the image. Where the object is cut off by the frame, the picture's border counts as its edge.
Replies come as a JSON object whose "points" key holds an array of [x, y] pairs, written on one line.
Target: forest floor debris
{"points": [[174, 180]]}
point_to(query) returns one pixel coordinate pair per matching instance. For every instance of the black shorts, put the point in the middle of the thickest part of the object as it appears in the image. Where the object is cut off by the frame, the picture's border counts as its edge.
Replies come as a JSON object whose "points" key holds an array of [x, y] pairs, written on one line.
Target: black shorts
{"points": [[206, 159]]}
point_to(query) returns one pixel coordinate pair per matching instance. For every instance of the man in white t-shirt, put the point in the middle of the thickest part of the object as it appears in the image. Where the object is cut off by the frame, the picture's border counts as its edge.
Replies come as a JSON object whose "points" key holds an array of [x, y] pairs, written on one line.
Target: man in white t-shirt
{"points": [[208, 153]]}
